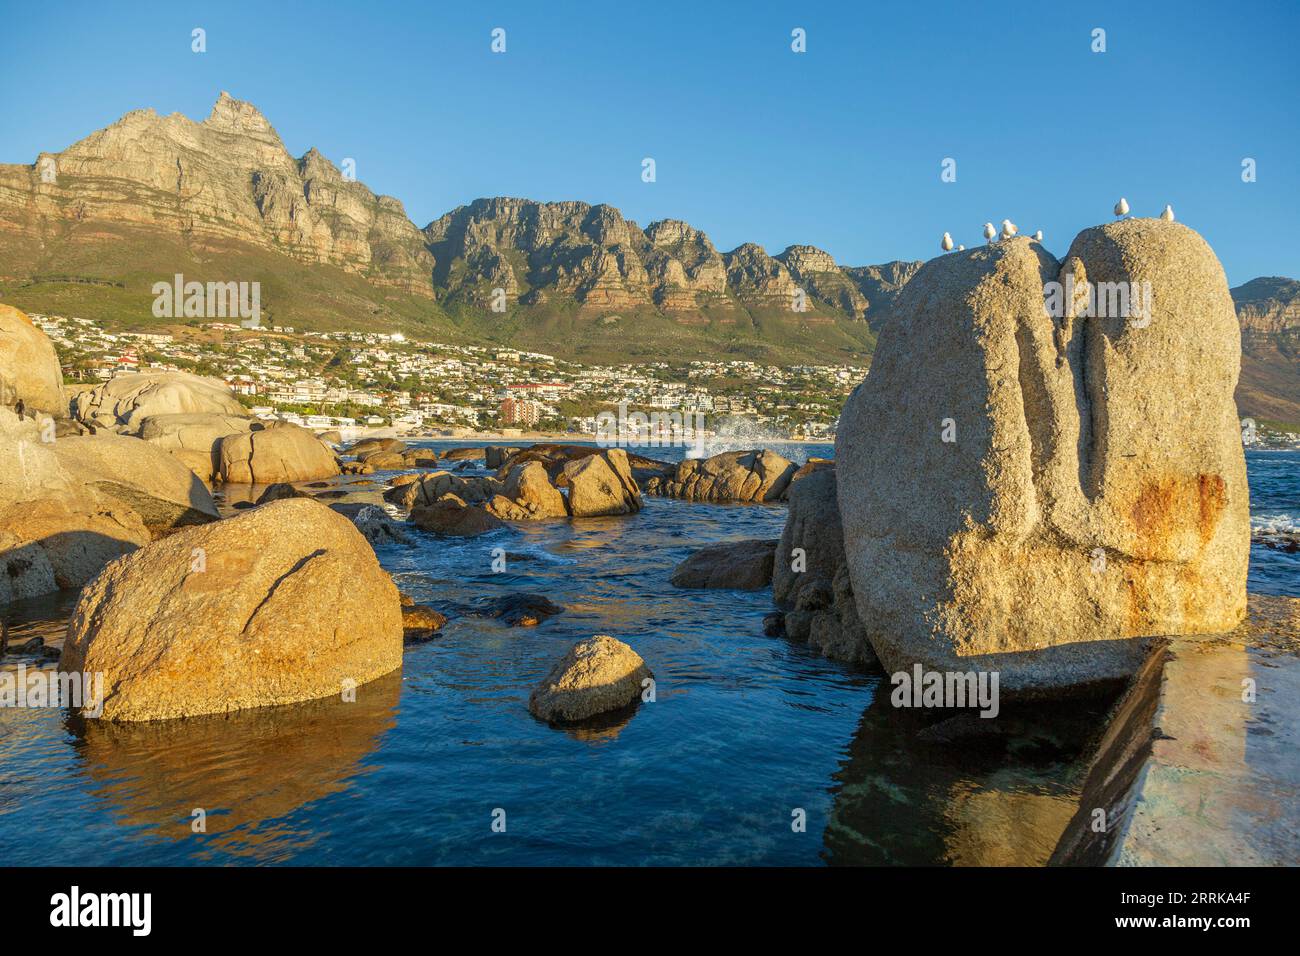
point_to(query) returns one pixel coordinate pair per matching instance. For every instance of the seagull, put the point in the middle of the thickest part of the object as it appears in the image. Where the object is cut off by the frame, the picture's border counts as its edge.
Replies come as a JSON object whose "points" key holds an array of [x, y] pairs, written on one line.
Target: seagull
{"points": [[946, 244], [1038, 236], [989, 231], [1121, 207], [1168, 214], [1008, 229], [961, 248]]}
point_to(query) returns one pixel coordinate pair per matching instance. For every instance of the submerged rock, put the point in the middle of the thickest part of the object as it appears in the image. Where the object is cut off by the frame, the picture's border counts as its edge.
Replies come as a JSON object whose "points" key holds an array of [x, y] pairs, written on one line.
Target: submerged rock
{"points": [[521, 609], [596, 676], [1035, 495], [745, 565], [279, 492], [280, 604]]}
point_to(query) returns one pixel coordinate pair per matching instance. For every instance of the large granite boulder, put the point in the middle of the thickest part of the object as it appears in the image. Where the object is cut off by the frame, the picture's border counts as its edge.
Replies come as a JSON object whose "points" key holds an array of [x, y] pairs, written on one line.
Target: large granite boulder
{"points": [[29, 366], [279, 452], [730, 476], [140, 476], [744, 565], [596, 676], [1034, 495], [601, 484], [529, 488], [194, 439], [125, 401], [280, 604]]}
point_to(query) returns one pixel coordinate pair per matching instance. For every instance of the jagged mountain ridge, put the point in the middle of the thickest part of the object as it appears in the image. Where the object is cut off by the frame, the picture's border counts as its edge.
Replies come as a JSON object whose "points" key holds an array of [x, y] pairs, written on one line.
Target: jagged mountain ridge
{"points": [[1268, 309], [230, 178], [224, 199]]}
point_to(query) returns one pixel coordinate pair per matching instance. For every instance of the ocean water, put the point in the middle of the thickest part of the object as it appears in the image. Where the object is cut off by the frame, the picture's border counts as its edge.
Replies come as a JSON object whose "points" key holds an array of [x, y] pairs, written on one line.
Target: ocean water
{"points": [[755, 752]]}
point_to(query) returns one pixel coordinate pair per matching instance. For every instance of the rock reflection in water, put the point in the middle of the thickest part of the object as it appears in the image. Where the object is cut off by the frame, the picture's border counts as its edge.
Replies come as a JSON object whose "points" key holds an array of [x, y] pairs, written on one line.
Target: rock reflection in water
{"points": [[242, 769], [964, 791]]}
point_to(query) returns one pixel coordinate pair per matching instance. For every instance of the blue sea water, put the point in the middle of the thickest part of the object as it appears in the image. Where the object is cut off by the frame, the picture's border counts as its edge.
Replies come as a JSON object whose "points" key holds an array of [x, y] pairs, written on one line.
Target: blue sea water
{"points": [[748, 736]]}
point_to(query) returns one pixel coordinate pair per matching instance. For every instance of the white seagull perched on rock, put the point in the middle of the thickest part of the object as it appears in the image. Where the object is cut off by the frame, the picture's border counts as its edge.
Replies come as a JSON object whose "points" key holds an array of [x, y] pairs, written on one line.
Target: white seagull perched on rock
{"points": [[1038, 236], [946, 243], [1168, 214], [1121, 207], [961, 248], [1008, 229], [989, 231]]}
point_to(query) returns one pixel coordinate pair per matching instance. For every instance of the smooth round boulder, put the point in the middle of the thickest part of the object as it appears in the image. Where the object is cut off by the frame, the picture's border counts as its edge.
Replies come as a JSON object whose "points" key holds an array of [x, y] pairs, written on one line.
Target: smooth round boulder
{"points": [[29, 366], [125, 401], [280, 604], [596, 676], [280, 452]]}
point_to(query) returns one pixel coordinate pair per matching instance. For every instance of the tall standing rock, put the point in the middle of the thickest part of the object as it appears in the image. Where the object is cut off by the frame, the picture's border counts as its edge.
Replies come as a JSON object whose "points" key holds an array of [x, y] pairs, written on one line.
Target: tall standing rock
{"points": [[1024, 493], [29, 366]]}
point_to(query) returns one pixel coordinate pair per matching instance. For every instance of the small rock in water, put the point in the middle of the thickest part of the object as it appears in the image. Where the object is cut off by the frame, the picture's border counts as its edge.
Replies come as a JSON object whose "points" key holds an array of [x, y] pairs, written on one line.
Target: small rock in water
{"points": [[745, 565], [597, 676], [774, 624], [420, 623], [281, 491]]}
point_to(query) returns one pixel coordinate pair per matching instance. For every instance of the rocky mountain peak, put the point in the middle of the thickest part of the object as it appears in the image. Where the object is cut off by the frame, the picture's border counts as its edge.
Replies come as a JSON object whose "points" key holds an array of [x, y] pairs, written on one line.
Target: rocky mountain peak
{"points": [[239, 117]]}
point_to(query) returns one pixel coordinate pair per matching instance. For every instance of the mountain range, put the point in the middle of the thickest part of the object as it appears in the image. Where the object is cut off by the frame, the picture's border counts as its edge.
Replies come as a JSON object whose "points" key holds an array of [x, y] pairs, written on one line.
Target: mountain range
{"points": [[89, 230]]}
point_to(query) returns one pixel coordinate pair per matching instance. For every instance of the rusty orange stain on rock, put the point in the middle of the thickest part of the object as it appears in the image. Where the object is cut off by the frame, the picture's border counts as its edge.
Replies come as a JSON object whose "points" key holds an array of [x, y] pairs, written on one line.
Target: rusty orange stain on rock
{"points": [[1173, 505]]}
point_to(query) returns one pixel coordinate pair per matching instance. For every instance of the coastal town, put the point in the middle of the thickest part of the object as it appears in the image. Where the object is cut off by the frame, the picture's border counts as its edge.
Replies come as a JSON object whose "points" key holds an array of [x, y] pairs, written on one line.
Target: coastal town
{"points": [[356, 379]]}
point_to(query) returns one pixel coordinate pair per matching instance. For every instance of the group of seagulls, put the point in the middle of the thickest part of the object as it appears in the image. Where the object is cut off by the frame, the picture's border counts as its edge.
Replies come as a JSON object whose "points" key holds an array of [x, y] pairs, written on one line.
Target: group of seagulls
{"points": [[1121, 210], [1010, 229]]}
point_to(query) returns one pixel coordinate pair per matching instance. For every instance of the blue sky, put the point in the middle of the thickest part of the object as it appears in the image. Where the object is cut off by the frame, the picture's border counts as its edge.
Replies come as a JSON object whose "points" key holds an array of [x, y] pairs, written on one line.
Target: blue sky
{"points": [[839, 147]]}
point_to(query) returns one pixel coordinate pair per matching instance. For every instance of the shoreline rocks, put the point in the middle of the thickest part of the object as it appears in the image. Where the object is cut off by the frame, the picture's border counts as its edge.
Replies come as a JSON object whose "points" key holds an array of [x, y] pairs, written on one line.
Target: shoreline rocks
{"points": [[195, 438], [280, 604], [601, 484], [745, 476]]}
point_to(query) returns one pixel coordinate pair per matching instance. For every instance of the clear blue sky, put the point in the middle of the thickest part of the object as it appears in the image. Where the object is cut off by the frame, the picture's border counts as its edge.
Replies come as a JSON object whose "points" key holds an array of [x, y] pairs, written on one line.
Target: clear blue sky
{"points": [[839, 147]]}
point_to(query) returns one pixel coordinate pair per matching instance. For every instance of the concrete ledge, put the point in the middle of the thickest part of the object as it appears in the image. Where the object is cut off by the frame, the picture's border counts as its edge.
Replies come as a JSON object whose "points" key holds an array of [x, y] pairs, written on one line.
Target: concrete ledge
{"points": [[1199, 765]]}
